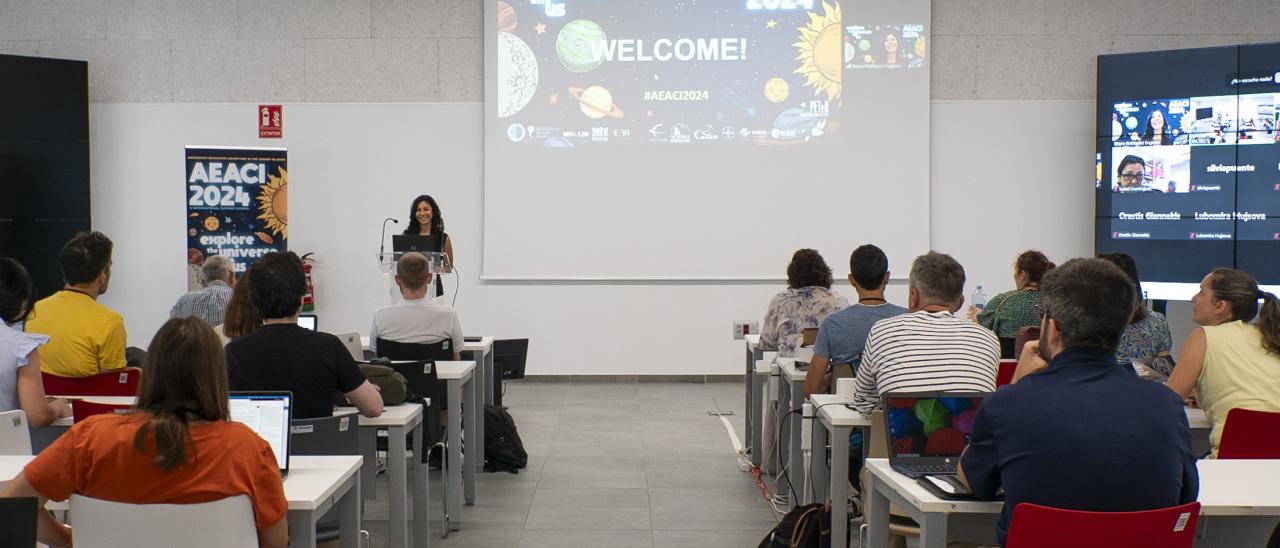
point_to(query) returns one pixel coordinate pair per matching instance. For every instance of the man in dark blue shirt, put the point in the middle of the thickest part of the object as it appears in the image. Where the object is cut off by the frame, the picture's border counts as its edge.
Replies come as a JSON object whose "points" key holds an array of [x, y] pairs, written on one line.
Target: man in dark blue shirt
{"points": [[1076, 431]]}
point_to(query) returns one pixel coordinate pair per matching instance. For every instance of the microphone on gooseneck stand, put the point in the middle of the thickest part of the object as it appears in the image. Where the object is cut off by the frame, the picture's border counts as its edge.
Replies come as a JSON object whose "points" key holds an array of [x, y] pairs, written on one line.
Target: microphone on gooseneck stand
{"points": [[382, 244]]}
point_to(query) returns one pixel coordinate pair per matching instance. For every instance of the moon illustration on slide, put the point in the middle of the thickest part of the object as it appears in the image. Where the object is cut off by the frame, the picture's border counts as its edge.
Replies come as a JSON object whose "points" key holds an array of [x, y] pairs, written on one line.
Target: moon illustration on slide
{"points": [[596, 102], [517, 74]]}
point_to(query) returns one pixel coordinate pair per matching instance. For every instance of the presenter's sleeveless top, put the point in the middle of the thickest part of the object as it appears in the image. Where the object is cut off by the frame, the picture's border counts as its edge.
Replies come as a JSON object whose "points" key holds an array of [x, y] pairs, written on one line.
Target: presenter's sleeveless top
{"points": [[1238, 372]]}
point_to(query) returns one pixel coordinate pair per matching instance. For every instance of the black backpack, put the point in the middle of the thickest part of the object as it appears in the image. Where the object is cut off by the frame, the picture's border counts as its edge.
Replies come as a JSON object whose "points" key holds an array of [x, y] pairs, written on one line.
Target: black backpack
{"points": [[503, 450], [807, 526]]}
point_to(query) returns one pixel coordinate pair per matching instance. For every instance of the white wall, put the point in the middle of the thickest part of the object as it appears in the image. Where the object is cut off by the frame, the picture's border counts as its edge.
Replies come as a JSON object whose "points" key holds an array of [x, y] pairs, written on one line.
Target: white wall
{"points": [[352, 165]]}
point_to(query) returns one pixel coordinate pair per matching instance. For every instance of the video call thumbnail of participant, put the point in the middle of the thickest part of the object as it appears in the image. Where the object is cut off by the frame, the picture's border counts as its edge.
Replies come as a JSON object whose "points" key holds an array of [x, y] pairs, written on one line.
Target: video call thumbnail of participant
{"points": [[1226, 119], [885, 47]]}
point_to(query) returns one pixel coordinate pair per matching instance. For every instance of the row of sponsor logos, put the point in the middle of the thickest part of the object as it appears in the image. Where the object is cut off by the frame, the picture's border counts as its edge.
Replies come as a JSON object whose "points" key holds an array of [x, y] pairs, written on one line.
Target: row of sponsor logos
{"points": [[658, 133]]}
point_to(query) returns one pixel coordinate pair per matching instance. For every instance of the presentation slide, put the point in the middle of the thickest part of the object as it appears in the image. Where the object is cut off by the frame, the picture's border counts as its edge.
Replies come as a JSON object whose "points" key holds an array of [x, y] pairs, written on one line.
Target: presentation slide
{"points": [[702, 139], [605, 72], [1188, 164]]}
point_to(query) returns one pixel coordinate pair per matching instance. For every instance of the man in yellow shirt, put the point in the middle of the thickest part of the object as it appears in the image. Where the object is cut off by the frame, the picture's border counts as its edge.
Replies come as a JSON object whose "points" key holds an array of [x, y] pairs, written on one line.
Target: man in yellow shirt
{"points": [[86, 338]]}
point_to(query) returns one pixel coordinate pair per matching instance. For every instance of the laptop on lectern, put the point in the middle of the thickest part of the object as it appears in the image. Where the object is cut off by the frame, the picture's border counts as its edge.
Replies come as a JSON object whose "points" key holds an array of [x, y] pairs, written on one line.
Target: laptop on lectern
{"points": [[404, 243]]}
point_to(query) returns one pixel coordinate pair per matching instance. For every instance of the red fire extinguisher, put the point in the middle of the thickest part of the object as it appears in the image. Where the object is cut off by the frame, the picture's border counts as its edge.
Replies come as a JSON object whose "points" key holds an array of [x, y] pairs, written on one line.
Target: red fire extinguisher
{"points": [[308, 300]]}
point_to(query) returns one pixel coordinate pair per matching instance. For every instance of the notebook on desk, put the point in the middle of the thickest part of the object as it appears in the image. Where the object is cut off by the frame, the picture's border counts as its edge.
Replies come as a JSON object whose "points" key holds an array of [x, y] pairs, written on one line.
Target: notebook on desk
{"points": [[268, 414], [927, 432]]}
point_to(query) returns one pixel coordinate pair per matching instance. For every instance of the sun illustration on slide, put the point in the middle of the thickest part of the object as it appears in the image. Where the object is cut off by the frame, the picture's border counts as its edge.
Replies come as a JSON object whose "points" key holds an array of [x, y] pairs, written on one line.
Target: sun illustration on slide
{"points": [[273, 203], [820, 51]]}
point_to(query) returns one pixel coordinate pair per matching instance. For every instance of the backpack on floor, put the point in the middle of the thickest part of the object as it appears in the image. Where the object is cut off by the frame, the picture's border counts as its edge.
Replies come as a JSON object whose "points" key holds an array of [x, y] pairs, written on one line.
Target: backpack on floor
{"points": [[503, 450], [807, 526]]}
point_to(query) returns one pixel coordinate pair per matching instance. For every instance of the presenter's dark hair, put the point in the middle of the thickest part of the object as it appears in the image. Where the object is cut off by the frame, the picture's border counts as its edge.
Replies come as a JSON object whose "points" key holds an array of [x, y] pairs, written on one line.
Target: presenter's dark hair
{"points": [[1241, 290], [1090, 301], [184, 378], [868, 265], [87, 255], [1130, 268], [807, 269], [437, 219], [278, 285], [1034, 264], [1130, 159], [17, 293]]}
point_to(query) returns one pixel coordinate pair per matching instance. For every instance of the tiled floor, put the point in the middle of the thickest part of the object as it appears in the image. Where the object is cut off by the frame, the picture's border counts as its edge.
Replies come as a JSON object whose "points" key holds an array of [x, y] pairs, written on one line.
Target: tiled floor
{"points": [[614, 465]]}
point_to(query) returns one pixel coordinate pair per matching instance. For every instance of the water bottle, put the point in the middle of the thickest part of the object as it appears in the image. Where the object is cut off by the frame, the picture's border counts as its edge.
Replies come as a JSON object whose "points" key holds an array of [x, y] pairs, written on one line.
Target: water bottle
{"points": [[979, 298]]}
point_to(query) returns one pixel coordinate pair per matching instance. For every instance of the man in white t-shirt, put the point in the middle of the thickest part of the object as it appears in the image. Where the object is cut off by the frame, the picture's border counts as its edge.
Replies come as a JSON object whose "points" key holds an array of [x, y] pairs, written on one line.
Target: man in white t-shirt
{"points": [[415, 319]]}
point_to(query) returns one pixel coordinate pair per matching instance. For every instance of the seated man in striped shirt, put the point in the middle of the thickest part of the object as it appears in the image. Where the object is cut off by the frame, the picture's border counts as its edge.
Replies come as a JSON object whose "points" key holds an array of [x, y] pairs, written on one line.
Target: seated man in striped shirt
{"points": [[928, 349]]}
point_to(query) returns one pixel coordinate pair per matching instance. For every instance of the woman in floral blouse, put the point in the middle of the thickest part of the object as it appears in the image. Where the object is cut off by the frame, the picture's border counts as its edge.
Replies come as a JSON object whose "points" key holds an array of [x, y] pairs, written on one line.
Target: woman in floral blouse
{"points": [[1147, 336], [807, 300]]}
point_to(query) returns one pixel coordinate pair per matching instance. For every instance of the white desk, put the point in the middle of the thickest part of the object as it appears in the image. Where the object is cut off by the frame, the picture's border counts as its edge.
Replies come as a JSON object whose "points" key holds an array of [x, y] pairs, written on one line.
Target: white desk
{"points": [[459, 478], [753, 419], [1243, 489], [1197, 420], [314, 486], [399, 420], [481, 352], [831, 415], [790, 397]]}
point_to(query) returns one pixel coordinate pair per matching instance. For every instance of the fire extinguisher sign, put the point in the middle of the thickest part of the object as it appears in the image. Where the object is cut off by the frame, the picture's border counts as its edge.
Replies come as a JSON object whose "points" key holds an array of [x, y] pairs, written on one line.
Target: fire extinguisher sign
{"points": [[270, 121]]}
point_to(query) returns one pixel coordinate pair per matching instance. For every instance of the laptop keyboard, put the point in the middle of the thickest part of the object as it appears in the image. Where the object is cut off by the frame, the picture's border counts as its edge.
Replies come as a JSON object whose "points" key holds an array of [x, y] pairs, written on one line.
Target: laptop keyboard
{"points": [[932, 468]]}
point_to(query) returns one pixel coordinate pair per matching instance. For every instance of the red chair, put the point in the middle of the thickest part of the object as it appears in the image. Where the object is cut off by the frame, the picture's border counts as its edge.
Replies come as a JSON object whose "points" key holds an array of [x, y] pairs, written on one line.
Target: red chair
{"points": [[1250, 434], [121, 382], [1004, 375], [1043, 527], [83, 409]]}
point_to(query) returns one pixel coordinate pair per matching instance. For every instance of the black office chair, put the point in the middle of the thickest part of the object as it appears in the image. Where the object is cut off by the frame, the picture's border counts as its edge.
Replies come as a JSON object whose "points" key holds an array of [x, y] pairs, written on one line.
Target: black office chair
{"points": [[418, 367], [326, 436], [18, 521], [509, 356]]}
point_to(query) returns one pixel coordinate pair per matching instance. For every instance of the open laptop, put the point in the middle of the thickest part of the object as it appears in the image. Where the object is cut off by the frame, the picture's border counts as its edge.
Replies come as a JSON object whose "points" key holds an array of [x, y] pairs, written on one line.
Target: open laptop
{"points": [[309, 321], [403, 243], [928, 431], [269, 415]]}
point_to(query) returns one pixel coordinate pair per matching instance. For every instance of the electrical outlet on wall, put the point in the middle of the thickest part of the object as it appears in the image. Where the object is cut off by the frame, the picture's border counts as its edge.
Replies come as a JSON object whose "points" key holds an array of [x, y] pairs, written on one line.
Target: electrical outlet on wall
{"points": [[743, 328]]}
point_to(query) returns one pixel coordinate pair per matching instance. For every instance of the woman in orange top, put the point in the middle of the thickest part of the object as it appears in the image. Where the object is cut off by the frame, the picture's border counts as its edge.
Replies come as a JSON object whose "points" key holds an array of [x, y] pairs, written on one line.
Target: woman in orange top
{"points": [[177, 446]]}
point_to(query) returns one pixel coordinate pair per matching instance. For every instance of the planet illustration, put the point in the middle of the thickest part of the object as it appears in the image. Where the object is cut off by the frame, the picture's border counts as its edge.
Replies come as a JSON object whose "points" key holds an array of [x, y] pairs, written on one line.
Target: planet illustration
{"points": [[211, 223], [506, 17], [850, 53], [577, 43], [596, 102], [517, 74], [795, 123], [864, 44], [1131, 122], [194, 256], [776, 90], [266, 238]]}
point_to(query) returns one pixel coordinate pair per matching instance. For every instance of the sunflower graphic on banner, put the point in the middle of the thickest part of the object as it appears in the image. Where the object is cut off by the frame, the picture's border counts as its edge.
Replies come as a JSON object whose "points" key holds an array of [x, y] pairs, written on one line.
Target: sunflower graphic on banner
{"points": [[237, 205]]}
